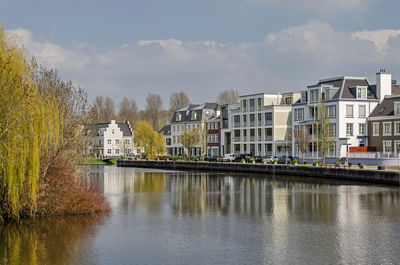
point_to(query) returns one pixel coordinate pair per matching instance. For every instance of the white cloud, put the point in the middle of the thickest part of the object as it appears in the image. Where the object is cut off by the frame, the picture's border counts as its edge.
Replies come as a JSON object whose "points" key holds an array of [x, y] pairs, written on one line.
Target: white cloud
{"points": [[287, 60], [327, 7]]}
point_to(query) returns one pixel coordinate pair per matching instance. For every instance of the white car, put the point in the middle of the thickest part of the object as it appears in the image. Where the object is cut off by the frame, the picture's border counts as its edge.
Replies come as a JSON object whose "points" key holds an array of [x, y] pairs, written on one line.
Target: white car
{"points": [[229, 158]]}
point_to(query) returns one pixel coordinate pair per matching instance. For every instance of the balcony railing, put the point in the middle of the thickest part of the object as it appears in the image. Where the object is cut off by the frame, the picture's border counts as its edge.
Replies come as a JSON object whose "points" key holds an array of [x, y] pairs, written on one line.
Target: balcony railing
{"points": [[268, 122], [236, 139], [268, 138], [252, 138]]}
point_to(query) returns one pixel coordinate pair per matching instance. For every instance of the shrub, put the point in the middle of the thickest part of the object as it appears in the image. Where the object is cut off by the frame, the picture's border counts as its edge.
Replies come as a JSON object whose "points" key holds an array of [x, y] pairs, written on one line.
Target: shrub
{"points": [[338, 163], [275, 160], [252, 159], [294, 161]]}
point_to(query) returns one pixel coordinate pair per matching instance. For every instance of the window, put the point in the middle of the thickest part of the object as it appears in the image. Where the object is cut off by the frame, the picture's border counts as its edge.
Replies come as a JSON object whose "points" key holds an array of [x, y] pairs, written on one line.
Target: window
{"points": [[332, 111], [259, 119], [244, 120], [208, 126], [361, 129], [375, 129], [178, 118], [100, 142], [387, 128], [251, 119], [397, 128], [244, 106], [362, 92], [108, 141], [194, 115], [349, 111], [127, 141], [361, 111], [259, 103], [209, 138], [397, 108], [236, 120], [387, 146], [212, 138], [333, 129], [112, 131], [303, 97], [298, 114], [349, 128], [268, 118], [117, 141], [216, 138], [117, 151], [314, 95], [174, 139], [288, 101], [252, 104], [108, 151]]}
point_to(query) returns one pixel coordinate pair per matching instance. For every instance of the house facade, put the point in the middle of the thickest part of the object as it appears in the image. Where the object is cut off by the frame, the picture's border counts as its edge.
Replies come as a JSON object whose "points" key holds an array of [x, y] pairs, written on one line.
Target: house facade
{"points": [[259, 125], [194, 116], [214, 135], [349, 101], [384, 127], [166, 132], [111, 139]]}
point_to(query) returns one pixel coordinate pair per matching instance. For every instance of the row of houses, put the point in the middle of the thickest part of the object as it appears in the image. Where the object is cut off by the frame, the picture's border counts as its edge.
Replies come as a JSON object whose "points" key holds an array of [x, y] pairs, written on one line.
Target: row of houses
{"points": [[364, 117]]}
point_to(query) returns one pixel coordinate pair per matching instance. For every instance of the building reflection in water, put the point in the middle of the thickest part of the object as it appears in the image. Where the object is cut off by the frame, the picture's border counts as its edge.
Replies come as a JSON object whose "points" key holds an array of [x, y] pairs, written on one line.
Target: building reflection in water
{"points": [[280, 213]]}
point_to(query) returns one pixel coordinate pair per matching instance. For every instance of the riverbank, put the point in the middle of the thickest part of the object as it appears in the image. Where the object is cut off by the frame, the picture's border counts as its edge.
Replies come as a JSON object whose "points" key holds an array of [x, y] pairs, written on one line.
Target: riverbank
{"points": [[364, 175]]}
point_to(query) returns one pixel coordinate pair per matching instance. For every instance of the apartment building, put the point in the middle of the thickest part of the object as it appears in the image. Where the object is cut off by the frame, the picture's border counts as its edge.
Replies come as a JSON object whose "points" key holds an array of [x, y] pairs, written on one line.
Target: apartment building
{"points": [[350, 100], [188, 118], [260, 124]]}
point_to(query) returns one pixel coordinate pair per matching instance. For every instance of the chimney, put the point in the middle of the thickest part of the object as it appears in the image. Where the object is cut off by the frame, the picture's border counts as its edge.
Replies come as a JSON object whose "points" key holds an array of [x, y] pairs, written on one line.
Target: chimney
{"points": [[383, 85]]}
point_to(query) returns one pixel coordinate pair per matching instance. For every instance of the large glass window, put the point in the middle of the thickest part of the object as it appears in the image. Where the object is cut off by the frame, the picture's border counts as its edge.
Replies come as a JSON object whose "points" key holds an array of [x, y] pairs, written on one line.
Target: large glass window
{"points": [[252, 104], [244, 105], [244, 120], [259, 104], [236, 120], [252, 120], [314, 95], [387, 146], [298, 114]]}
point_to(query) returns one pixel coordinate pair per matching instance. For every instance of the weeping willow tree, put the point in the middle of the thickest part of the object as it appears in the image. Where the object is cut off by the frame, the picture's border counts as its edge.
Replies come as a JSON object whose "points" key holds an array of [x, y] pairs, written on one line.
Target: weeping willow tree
{"points": [[30, 125]]}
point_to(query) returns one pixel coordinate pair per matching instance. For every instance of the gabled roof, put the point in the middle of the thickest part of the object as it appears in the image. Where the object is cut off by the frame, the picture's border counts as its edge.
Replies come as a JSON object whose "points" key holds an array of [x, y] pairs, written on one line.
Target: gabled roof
{"points": [[166, 130], [386, 107], [347, 87], [193, 112], [95, 128]]}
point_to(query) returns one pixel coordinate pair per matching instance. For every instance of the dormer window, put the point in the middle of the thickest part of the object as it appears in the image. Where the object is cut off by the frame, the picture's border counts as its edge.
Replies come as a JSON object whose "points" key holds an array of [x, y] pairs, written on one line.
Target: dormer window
{"points": [[179, 117], [194, 115], [361, 92], [397, 108], [314, 95]]}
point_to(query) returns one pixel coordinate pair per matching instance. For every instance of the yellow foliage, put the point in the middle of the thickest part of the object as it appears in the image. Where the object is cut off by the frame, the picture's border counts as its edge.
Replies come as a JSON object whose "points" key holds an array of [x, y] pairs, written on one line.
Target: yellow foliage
{"points": [[152, 141], [29, 125]]}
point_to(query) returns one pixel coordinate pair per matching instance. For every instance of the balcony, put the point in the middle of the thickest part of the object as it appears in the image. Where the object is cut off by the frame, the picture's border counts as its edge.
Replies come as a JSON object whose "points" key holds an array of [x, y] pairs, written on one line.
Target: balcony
{"points": [[252, 138], [268, 122], [268, 138]]}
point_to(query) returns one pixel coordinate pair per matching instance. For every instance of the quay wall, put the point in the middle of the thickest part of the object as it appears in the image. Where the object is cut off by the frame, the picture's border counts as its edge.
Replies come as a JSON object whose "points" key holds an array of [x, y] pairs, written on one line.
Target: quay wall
{"points": [[365, 175]]}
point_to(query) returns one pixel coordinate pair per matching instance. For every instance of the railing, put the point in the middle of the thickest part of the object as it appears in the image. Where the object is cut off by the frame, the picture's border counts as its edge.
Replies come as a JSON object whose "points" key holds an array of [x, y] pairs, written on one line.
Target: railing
{"points": [[373, 155], [268, 138], [236, 139]]}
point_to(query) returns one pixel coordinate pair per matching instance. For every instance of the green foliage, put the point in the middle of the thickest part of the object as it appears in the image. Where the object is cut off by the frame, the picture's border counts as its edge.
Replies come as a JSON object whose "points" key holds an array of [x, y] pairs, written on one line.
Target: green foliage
{"points": [[294, 161], [275, 160], [190, 139], [30, 125], [152, 141]]}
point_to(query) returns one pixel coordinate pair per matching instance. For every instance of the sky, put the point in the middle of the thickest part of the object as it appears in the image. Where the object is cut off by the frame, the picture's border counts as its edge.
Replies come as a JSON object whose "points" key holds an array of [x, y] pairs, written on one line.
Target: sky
{"points": [[131, 48]]}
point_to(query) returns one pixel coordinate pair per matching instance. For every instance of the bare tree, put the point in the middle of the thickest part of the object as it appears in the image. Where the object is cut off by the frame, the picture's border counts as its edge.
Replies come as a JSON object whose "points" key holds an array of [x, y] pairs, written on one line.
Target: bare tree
{"points": [[178, 100], [102, 110], [302, 139], [154, 109], [229, 96], [128, 111], [324, 131]]}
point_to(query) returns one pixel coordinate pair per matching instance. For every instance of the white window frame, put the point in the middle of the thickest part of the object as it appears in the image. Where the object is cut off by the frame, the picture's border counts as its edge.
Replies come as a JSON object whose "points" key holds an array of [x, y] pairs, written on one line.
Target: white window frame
{"points": [[364, 92], [396, 108], [384, 129], [375, 125], [397, 128], [334, 112], [352, 111], [365, 111], [352, 129], [384, 146], [359, 128]]}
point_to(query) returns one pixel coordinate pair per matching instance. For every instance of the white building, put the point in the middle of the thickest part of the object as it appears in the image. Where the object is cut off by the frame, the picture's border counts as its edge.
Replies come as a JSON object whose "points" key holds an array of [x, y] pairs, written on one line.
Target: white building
{"points": [[350, 100], [259, 125], [111, 139], [188, 118]]}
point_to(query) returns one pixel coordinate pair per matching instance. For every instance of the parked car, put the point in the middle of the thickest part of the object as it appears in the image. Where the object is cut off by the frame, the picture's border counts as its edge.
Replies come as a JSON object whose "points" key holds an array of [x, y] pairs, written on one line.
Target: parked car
{"points": [[270, 159], [258, 159], [284, 160], [229, 158], [246, 157]]}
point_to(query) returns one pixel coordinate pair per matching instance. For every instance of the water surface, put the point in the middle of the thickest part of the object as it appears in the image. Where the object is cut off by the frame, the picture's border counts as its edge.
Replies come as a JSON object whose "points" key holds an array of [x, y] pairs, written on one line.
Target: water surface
{"points": [[171, 217]]}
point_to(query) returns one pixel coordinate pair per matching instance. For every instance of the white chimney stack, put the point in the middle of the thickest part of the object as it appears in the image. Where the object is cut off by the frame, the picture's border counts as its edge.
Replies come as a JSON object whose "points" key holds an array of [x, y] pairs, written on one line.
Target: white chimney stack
{"points": [[383, 84]]}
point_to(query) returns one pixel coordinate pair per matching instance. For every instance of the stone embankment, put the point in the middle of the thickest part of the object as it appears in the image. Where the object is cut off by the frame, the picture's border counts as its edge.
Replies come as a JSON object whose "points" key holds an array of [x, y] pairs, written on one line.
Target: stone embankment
{"points": [[365, 175]]}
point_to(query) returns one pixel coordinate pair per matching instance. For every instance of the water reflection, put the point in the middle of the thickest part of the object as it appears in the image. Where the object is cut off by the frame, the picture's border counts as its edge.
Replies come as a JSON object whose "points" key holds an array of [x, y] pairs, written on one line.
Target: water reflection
{"points": [[59, 240], [170, 217]]}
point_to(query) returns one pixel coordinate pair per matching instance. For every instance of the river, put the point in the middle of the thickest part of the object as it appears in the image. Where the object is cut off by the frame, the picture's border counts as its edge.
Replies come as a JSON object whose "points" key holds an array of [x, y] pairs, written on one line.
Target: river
{"points": [[174, 217]]}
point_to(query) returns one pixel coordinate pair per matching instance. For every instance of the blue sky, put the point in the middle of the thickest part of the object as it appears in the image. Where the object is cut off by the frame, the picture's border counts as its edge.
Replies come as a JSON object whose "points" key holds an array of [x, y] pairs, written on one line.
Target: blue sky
{"points": [[118, 48]]}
